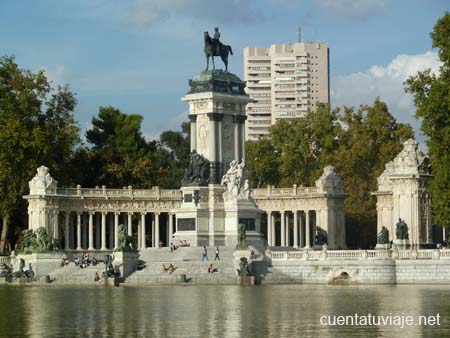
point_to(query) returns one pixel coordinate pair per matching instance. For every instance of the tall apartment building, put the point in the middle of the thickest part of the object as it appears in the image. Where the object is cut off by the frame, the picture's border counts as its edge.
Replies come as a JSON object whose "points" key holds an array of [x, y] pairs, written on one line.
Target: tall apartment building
{"points": [[285, 81]]}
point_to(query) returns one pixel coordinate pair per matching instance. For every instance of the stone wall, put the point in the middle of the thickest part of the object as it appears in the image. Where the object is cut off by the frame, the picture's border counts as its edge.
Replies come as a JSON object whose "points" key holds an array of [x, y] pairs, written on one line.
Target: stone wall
{"points": [[401, 267]]}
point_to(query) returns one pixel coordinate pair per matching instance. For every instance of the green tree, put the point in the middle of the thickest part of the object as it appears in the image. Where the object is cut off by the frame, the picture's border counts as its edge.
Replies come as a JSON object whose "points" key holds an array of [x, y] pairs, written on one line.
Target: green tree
{"points": [[37, 128], [177, 143], [370, 137], [358, 143], [432, 99], [262, 162]]}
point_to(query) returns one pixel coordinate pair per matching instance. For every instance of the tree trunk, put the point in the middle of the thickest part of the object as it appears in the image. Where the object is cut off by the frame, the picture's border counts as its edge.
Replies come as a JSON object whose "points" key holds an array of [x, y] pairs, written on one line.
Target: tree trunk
{"points": [[4, 235]]}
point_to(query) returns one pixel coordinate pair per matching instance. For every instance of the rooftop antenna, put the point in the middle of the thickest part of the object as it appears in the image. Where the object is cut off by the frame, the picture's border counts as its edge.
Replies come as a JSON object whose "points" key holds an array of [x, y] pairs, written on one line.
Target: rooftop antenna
{"points": [[299, 33]]}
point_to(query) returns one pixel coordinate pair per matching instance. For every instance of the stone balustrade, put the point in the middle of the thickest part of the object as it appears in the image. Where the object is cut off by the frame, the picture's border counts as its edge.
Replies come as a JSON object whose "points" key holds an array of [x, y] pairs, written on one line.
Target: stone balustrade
{"points": [[127, 192], [5, 260], [358, 254], [271, 191]]}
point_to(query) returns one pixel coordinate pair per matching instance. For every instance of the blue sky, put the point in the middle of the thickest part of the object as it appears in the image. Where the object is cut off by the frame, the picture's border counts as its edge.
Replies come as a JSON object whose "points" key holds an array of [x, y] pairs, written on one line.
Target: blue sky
{"points": [[138, 55]]}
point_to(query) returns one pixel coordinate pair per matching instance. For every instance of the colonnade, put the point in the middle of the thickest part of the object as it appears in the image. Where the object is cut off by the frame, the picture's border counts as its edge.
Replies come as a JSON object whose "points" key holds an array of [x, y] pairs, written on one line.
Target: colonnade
{"points": [[100, 230], [303, 228]]}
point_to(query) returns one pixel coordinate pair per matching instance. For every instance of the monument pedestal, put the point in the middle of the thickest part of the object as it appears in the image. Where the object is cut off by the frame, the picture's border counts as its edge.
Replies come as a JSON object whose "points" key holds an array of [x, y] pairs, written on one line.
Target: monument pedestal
{"points": [[382, 246], [41, 263], [200, 219], [126, 261], [242, 211], [401, 243]]}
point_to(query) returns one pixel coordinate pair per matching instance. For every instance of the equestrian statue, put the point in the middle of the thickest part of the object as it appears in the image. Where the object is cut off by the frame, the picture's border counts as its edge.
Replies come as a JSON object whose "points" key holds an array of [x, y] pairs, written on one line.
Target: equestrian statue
{"points": [[213, 47]]}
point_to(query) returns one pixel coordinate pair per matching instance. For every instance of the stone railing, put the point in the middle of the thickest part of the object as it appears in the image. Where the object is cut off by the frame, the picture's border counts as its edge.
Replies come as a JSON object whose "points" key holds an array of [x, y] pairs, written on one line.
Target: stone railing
{"points": [[5, 260], [358, 254], [281, 192], [127, 192]]}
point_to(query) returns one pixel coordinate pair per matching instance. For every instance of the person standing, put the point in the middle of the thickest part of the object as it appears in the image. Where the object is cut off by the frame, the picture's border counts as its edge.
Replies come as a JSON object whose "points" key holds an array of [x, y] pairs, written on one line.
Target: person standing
{"points": [[205, 254], [217, 258]]}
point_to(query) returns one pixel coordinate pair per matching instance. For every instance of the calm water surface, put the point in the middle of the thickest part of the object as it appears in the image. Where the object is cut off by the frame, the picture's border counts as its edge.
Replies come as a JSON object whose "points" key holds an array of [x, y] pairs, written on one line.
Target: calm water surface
{"points": [[215, 311]]}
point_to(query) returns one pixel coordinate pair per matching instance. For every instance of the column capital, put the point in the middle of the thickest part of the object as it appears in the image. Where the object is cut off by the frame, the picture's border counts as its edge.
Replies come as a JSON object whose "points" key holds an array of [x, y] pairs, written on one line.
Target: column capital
{"points": [[239, 118], [91, 212], [143, 213], [157, 213], [104, 213], [215, 116]]}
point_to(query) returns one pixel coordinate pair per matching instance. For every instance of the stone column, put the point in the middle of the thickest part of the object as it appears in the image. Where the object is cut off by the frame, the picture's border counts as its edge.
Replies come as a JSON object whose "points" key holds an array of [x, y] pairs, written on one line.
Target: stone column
{"points": [[287, 230], [269, 228], [56, 224], [91, 231], [295, 229], [111, 231], [283, 228], [157, 229], [307, 230], [212, 147], [170, 226], [236, 138], [273, 229], [241, 138], [143, 243], [85, 230], [130, 224], [97, 231], [301, 227], [103, 231], [116, 229], [193, 119], [78, 230], [153, 230], [219, 139], [67, 231], [314, 230]]}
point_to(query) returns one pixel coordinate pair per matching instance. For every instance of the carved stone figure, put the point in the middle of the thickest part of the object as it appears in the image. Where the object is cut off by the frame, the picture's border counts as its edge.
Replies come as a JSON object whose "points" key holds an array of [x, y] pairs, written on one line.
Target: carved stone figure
{"points": [[42, 183], [244, 268], [213, 47], [235, 182], [383, 236], [124, 240], [321, 236], [5, 270], [401, 231], [37, 241], [242, 238], [198, 171], [109, 268]]}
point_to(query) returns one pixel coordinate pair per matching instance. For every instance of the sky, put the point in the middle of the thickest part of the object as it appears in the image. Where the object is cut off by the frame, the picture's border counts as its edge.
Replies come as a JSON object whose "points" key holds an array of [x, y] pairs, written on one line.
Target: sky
{"points": [[137, 55]]}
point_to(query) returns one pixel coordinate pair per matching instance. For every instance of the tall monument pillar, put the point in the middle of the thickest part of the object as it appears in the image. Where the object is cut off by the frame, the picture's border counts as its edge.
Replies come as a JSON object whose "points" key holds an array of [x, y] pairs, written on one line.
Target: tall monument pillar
{"points": [[217, 103], [217, 113]]}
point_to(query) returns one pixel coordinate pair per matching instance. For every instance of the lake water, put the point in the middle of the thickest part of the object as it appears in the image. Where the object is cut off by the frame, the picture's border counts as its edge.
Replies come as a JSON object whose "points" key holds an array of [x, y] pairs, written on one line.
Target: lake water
{"points": [[216, 311]]}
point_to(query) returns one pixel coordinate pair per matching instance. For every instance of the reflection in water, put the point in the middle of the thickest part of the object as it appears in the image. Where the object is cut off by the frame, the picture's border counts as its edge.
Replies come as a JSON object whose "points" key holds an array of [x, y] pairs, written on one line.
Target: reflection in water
{"points": [[215, 311]]}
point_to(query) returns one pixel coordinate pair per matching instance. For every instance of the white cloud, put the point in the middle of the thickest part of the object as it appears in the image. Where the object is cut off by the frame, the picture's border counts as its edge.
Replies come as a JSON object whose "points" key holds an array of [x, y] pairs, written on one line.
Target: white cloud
{"points": [[386, 82], [57, 74], [145, 14], [354, 9]]}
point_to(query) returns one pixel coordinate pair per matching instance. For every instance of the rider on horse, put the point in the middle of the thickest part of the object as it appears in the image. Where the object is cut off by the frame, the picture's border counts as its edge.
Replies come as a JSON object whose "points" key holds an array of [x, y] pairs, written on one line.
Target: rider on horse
{"points": [[216, 41]]}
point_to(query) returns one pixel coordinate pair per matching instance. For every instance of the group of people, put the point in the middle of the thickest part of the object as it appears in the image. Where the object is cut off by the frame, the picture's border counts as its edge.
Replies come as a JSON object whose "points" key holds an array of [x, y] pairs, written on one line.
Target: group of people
{"points": [[171, 268], [85, 260], [182, 243], [205, 254]]}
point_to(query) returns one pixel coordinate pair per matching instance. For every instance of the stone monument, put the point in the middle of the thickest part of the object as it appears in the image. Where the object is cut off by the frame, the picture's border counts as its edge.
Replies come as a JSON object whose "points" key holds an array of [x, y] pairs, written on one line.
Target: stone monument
{"points": [[402, 194], [217, 103]]}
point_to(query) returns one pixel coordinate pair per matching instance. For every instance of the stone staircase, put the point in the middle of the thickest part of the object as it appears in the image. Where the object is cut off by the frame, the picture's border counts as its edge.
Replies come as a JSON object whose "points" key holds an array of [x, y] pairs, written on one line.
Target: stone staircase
{"points": [[187, 261], [72, 274]]}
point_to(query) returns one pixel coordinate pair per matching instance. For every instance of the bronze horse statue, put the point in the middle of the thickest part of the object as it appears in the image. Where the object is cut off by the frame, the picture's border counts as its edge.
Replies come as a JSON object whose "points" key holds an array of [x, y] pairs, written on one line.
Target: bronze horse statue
{"points": [[211, 51]]}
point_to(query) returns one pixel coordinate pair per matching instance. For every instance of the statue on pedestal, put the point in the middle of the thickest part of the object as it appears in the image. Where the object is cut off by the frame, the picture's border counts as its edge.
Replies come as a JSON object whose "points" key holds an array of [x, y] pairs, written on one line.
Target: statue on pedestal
{"points": [[244, 268], [321, 236], [235, 182], [213, 47], [124, 240], [401, 231], [198, 171], [37, 241], [383, 236], [242, 238]]}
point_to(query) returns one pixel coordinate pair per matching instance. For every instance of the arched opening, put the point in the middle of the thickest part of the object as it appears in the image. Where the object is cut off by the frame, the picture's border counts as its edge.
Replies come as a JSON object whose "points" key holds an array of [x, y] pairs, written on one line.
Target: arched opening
{"points": [[342, 278]]}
